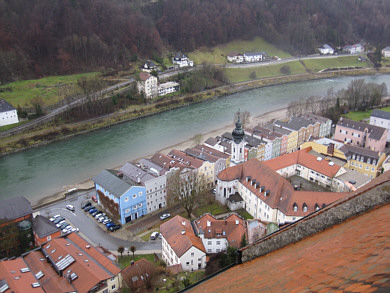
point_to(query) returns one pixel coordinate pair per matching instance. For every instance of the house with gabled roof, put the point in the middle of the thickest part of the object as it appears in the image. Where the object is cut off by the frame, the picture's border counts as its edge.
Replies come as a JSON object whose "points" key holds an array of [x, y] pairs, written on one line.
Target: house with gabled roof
{"points": [[386, 52], [8, 113], [354, 49], [217, 235], [180, 245], [326, 50], [44, 230], [382, 119], [148, 85], [149, 66], [182, 60], [121, 196], [139, 273], [254, 56]]}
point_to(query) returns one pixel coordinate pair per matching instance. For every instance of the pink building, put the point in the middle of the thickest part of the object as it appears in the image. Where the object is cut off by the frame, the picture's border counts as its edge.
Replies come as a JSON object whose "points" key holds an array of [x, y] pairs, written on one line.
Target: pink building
{"points": [[361, 134]]}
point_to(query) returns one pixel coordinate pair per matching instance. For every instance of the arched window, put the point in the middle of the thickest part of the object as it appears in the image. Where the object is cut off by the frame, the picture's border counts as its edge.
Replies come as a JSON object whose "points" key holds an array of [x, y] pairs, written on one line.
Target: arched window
{"points": [[323, 205], [316, 207], [304, 208], [295, 207]]}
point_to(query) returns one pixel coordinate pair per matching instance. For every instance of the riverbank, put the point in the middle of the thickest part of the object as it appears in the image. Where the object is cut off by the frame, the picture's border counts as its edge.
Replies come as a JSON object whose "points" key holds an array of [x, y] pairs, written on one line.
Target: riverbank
{"points": [[62, 132], [88, 184]]}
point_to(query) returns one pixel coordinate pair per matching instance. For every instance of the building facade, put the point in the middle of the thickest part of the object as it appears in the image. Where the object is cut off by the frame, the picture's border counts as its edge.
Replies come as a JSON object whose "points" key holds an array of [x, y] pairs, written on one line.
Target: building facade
{"points": [[8, 113]]}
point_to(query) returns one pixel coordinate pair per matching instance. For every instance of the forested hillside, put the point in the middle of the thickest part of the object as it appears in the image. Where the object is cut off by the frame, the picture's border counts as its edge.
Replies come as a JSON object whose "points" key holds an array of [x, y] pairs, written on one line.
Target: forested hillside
{"points": [[44, 37]]}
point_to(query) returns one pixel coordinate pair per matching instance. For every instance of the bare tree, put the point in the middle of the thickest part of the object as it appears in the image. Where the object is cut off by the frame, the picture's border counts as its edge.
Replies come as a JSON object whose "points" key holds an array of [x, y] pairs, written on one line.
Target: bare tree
{"points": [[133, 249], [354, 94], [186, 189], [121, 249], [312, 104], [197, 139], [244, 117]]}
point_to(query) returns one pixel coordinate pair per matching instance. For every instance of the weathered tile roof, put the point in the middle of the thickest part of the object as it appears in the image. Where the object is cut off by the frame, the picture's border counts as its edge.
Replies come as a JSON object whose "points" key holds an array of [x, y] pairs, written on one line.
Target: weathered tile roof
{"points": [[138, 272], [364, 154], [211, 141], [5, 106], [375, 132], [43, 227], [110, 181], [136, 173], [144, 75], [350, 255], [381, 114], [151, 166], [185, 159], [180, 236], [15, 207], [295, 123], [167, 162], [211, 151]]}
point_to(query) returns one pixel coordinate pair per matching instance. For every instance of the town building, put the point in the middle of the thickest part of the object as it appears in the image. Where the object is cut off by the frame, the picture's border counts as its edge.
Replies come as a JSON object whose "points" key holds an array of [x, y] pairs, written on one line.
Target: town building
{"points": [[347, 238], [361, 134], [148, 85], [386, 52], [139, 273], [65, 264], [267, 195], [381, 119], [182, 60], [250, 57], [168, 88], [44, 230], [235, 57], [217, 235], [326, 50], [155, 184], [120, 196], [238, 144], [354, 49], [149, 66], [8, 113], [16, 233], [180, 245]]}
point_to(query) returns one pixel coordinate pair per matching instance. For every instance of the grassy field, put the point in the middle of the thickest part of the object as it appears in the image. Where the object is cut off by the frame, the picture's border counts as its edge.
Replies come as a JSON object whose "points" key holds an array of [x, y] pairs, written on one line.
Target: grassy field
{"points": [[343, 61], [359, 115], [244, 74], [218, 54], [48, 88]]}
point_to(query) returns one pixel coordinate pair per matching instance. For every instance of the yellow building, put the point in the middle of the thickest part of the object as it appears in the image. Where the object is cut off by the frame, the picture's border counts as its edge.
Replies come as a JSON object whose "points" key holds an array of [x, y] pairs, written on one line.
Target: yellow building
{"points": [[292, 142]]}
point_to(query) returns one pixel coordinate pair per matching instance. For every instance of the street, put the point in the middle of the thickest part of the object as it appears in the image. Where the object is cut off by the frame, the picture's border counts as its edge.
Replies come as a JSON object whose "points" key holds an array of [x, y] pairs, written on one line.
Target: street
{"points": [[90, 229]]}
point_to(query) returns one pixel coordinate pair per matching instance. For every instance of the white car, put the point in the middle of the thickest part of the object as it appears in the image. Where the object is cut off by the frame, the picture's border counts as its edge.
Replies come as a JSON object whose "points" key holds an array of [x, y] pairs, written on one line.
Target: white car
{"points": [[101, 219], [60, 223], [106, 221], [97, 216], [70, 207], [164, 216], [54, 217]]}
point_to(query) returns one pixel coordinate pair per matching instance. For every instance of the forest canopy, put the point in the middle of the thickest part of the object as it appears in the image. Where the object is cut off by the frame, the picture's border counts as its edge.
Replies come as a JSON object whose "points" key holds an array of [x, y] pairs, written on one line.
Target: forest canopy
{"points": [[44, 37]]}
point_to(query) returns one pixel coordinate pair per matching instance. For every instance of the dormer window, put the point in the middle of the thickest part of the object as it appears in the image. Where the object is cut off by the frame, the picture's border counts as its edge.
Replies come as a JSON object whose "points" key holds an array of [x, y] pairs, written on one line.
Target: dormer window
{"points": [[295, 207], [304, 208], [316, 207]]}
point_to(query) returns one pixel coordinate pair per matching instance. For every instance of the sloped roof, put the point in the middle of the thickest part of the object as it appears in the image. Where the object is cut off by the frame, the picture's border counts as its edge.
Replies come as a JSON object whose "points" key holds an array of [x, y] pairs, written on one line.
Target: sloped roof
{"points": [[15, 207], [233, 228], [375, 132], [351, 255], [211, 141], [211, 151], [185, 159], [144, 75], [381, 114], [136, 173], [43, 227], [140, 270], [111, 182], [167, 162], [180, 242], [350, 150], [5, 106]]}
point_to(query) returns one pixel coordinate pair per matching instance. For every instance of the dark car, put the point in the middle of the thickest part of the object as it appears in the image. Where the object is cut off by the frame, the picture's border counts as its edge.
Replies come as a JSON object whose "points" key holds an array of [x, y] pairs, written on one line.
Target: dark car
{"points": [[91, 211], [58, 219], [86, 204], [88, 208], [111, 224], [64, 225], [114, 228]]}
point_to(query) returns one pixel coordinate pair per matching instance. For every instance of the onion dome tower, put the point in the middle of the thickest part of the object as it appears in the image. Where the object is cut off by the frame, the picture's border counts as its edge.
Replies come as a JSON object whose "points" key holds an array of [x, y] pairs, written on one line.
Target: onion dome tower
{"points": [[237, 151]]}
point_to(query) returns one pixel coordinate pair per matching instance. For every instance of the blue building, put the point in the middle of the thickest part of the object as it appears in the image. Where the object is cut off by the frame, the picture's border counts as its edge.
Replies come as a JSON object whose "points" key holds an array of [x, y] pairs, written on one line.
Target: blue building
{"points": [[122, 197]]}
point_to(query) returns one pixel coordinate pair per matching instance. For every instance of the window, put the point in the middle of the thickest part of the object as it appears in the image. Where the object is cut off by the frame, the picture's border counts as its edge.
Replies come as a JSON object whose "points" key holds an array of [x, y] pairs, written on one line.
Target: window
{"points": [[187, 263], [140, 204], [304, 208], [295, 207], [135, 207], [192, 254], [209, 242], [134, 195], [126, 199], [113, 287], [140, 193], [218, 242], [127, 211]]}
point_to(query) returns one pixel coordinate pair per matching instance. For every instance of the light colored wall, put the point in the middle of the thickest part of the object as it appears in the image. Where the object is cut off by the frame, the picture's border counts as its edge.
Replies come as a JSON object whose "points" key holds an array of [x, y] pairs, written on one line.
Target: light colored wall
{"points": [[9, 117], [156, 194]]}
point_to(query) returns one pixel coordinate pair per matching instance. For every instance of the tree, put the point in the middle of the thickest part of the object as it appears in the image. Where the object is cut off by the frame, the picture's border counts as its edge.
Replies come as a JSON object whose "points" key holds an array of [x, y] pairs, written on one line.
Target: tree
{"points": [[243, 241], [121, 249], [37, 103], [197, 139], [285, 69], [187, 189], [253, 75], [186, 281], [133, 249]]}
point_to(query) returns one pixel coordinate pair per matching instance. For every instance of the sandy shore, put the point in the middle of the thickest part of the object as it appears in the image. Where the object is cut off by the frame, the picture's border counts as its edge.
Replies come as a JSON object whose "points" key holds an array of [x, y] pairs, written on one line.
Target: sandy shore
{"points": [[253, 121]]}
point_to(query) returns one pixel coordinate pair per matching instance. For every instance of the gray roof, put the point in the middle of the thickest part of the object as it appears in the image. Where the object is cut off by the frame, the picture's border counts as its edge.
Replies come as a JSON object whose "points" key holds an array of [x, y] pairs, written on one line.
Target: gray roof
{"points": [[150, 165], [5, 106], [381, 114], [255, 53], [136, 173], [375, 132], [110, 181], [43, 227], [235, 198], [211, 141], [359, 178], [314, 118], [276, 129], [15, 207], [350, 150]]}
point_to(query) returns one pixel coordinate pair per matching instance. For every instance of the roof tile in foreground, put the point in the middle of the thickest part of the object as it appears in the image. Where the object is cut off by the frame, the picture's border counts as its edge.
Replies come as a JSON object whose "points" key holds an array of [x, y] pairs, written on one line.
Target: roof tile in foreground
{"points": [[352, 256]]}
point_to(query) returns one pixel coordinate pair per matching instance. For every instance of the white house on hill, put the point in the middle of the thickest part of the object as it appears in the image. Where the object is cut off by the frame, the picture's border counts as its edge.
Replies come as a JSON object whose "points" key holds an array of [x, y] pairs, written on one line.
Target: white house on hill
{"points": [[8, 113]]}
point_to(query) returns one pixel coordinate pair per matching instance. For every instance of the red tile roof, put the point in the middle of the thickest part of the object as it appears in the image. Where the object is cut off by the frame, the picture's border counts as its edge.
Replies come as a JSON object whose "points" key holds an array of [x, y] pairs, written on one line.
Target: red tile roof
{"points": [[302, 157], [136, 274], [144, 75], [352, 256], [167, 162], [185, 159], [17, 281], [180, 236], [232, 228]]}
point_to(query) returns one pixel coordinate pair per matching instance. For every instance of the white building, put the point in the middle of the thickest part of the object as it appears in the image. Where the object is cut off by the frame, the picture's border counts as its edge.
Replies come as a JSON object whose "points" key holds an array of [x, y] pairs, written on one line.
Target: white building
{"points": [[148, 84], [154, 182], [182, 60], [386, 52], [326, 50], [180, 245], [168, 88], [254, 56], [354, 49], [8, 114], [235, 57], [381, 119], [238, 144]]}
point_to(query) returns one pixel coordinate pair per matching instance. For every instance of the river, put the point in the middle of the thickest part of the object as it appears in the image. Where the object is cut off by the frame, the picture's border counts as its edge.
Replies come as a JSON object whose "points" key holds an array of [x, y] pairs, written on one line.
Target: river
{"points": [[45, 170]]}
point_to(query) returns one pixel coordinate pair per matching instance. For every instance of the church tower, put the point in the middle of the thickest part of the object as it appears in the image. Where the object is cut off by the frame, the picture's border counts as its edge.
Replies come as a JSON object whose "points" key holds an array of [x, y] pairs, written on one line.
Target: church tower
{"points": [[238, 144]]}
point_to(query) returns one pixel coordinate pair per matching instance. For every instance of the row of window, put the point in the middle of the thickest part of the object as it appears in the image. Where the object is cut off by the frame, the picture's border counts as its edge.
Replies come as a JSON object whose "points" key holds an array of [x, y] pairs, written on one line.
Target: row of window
{"points": [[304, 207], [134, 196]]}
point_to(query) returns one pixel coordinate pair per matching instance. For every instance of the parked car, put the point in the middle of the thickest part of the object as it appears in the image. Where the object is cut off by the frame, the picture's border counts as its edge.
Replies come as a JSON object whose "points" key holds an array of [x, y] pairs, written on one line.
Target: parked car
{"points": [[101, 219], [154, 235], [64, 225], [54, 217], [70, 207], [84, 205], [58, 219], [60, 223], [164, 216], [98, 215], [111, 224], [94, 198], [95, 213], [114, 228], [88, 208], [91, 211], [106, 221]]}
